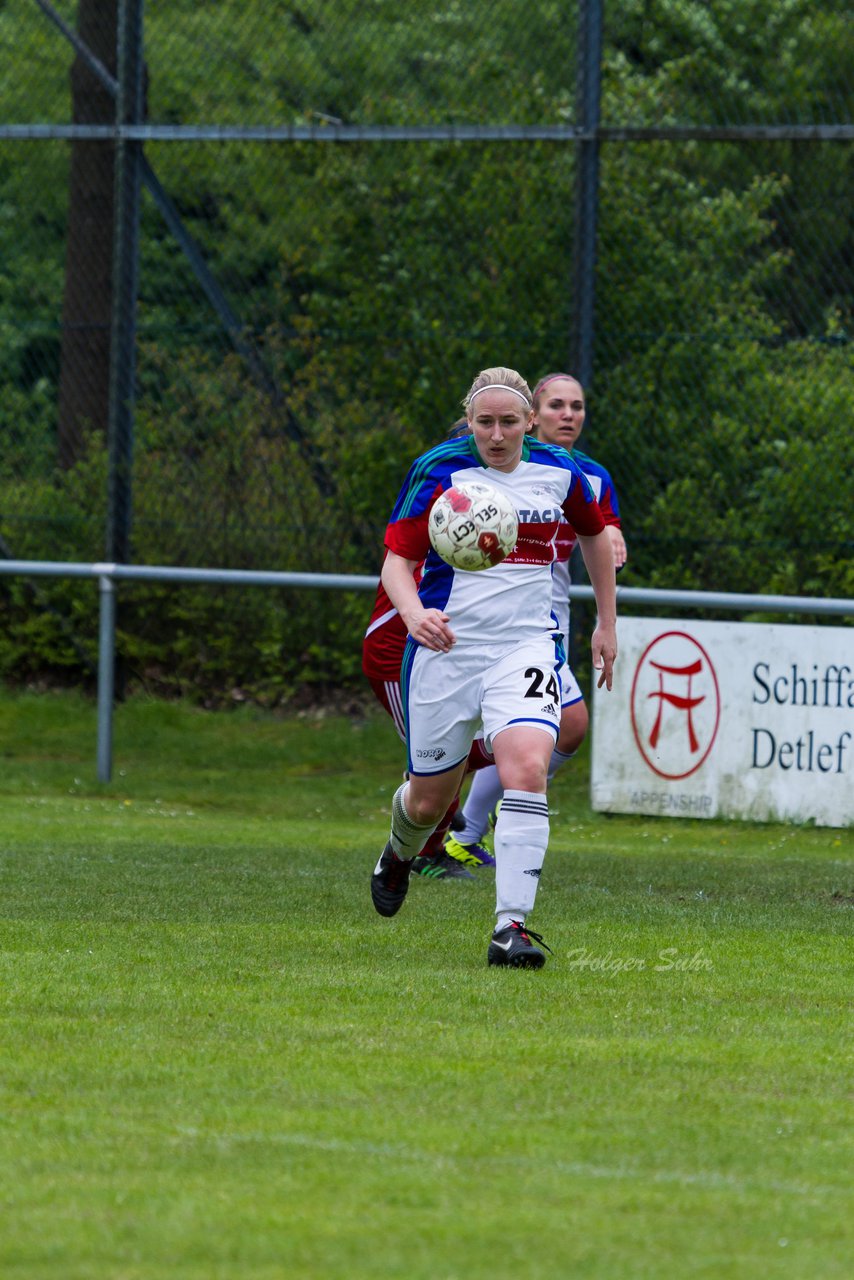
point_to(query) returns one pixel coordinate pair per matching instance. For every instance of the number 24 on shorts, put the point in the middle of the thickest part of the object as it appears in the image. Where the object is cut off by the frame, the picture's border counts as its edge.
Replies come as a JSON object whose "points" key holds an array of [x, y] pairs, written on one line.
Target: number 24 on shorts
{"points": [[541, 686]]}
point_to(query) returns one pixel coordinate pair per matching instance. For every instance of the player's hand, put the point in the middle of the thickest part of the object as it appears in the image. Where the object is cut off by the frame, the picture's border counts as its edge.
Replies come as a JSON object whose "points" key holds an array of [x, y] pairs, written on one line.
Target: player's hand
{"points": [[430, 628], [604, 647], [618, 545]]}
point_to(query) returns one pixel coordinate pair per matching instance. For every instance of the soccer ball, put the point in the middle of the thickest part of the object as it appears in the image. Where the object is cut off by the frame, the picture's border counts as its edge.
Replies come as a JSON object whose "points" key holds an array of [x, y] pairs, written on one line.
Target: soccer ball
{"points": [[473, 526]]}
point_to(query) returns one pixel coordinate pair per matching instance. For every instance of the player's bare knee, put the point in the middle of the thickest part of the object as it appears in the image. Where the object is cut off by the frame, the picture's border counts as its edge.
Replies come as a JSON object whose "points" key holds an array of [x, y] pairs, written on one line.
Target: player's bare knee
{"points": [[425, 814], [425, 806], [529, 777]]}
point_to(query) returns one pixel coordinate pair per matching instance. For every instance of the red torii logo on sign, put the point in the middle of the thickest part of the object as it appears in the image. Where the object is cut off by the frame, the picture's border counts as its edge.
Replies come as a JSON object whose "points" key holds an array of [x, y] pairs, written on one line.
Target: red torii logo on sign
{"points": [[685, 704], [675, 672]]}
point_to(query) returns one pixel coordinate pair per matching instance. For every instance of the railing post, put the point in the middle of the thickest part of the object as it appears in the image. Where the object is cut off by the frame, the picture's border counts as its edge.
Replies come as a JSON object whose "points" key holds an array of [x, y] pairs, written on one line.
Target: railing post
{"points": [[106, 673]]}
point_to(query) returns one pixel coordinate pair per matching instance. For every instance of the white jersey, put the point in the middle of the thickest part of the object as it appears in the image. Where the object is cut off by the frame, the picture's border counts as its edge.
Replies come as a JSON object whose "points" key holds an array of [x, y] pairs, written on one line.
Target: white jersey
{"points": [[511, 601]]}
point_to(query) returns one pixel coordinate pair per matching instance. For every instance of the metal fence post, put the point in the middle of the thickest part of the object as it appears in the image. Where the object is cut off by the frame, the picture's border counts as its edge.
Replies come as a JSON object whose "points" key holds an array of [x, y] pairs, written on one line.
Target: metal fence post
{"points": [[106, 671], [587, 107], [129, 160], [588, 95], [129, 108]]}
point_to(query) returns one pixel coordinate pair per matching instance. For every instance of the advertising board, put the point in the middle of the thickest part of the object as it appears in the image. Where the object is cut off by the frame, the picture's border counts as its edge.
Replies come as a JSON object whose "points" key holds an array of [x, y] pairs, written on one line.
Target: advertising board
{"points": [[727, 719]]}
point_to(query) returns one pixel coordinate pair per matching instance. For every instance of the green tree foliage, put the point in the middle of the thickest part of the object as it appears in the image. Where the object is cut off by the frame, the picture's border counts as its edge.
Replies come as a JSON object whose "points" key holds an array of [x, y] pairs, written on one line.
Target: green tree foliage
{"points": [[374, 281]]}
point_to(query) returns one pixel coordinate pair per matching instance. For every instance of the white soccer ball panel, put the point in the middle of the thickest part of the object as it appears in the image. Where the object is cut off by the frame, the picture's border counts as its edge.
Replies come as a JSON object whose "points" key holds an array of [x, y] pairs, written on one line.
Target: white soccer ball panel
{"points": [[473, 526]]}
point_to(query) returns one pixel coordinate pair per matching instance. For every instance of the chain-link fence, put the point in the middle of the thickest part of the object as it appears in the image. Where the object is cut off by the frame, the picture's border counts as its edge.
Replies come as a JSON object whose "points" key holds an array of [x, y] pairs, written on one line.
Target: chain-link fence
{"points": [[347, 209]]}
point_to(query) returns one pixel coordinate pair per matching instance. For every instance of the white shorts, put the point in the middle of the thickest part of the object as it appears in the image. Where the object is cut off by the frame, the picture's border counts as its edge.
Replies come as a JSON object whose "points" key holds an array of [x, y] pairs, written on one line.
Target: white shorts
{"points": [[570, 689], [448, 697]]}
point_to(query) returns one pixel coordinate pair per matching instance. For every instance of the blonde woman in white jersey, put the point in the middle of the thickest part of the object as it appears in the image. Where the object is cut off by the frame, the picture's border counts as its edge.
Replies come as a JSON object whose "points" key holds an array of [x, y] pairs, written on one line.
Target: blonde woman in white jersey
{"points": [[559, 412], [482, 649]]}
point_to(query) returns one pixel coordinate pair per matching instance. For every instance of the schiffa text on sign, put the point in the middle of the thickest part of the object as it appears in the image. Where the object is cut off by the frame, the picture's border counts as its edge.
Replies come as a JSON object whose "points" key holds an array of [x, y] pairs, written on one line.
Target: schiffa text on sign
{"points": [[831, 687]]}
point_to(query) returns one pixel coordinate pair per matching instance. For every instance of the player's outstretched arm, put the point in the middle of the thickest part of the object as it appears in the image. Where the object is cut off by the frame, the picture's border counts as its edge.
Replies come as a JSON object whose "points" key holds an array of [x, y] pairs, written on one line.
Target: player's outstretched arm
{"points": [[428, 626], [599, 560]]}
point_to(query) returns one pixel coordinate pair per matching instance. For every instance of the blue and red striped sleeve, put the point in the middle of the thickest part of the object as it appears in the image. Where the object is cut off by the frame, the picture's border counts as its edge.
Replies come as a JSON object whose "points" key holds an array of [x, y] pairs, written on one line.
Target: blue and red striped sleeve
{"points": [[580, 506]]}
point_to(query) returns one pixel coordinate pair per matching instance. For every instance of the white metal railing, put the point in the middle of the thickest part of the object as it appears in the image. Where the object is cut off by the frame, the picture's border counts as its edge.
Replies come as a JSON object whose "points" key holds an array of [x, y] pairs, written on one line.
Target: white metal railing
{"points": [[108, 574]]}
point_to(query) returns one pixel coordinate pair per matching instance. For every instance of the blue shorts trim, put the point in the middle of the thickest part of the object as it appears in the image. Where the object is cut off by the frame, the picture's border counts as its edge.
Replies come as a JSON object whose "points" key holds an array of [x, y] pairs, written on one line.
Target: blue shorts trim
{"points": [[573, 701], [548, 724], [434, 773]]}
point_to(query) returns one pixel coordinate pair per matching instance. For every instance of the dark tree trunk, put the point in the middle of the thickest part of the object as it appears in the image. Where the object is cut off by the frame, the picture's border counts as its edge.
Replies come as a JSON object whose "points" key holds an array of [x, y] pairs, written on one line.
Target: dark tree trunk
{"points": [[84, 385]]}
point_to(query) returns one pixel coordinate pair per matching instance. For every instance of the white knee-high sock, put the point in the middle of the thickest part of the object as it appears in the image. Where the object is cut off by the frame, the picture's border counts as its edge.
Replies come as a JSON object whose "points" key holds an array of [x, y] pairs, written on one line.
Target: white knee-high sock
{"points": [[521, 837], [483, 796], [407, 838]]}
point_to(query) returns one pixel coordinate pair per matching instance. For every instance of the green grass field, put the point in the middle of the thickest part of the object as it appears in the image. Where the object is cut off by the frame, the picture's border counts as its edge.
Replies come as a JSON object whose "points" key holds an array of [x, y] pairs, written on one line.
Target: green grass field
{"points": [[219, 1064]]}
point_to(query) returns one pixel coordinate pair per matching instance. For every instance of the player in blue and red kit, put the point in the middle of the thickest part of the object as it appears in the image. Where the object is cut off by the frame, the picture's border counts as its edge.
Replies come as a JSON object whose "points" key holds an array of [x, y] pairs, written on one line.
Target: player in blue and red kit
{"points": [[484, 652]]}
